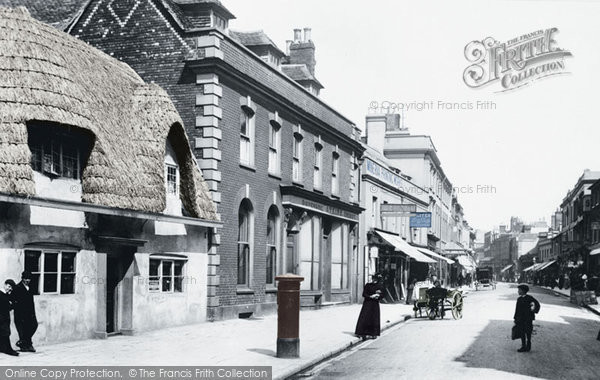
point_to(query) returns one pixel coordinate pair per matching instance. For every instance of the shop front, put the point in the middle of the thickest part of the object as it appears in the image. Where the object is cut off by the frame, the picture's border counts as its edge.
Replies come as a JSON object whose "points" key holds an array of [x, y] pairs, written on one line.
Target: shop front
{"points": [[397, 261], [321, 245]]}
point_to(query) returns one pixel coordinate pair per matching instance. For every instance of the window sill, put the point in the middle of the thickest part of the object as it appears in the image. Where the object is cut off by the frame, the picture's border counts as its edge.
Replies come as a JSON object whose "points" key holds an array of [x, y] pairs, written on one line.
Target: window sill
{"points": [[340, 291], [244, 291], [270, 290], [275, 175], [248, 167]]}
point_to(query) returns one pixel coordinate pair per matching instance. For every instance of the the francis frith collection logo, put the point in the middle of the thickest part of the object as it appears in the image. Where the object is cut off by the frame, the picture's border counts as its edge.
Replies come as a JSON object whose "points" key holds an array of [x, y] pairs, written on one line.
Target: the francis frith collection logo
{"points": [[515, 63]]}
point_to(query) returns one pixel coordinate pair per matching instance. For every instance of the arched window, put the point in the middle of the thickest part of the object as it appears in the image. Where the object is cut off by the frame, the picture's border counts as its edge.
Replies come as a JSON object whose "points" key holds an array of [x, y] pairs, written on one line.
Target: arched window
{"points": [[272, 241], [244, 242]]}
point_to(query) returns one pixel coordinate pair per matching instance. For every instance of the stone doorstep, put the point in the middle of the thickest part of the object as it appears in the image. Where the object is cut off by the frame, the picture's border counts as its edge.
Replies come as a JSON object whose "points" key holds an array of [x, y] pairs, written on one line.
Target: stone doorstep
{"points": [[334, 352]]}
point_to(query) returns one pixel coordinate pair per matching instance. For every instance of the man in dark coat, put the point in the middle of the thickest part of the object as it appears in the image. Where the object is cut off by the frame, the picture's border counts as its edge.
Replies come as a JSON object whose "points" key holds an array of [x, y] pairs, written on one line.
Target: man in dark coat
{"points": [[5, 306], [369, 320], [25, 319], [525, 311]]}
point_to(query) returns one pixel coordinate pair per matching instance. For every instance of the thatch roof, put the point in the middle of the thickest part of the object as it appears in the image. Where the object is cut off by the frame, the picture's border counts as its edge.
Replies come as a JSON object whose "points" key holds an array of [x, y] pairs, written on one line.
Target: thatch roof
{"points": [[47, 75]]}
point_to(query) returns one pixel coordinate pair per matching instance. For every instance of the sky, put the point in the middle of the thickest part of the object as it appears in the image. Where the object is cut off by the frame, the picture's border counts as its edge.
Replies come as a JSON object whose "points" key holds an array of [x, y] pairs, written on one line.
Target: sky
{"points": [[520, 156]]}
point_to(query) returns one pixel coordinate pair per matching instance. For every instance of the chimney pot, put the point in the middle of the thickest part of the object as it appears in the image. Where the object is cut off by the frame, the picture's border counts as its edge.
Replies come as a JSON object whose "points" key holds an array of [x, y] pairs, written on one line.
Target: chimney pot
{"points": [[307, 34], [297, 35]]}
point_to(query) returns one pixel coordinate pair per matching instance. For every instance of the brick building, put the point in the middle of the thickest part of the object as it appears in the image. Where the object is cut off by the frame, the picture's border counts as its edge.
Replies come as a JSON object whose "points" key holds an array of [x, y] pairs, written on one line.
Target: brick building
{"points": [[280, 163]]}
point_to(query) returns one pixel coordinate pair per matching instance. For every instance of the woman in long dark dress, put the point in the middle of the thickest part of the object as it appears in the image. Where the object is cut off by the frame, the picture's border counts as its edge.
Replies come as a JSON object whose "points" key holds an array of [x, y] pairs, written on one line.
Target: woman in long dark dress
{"points": [[369, 320]]}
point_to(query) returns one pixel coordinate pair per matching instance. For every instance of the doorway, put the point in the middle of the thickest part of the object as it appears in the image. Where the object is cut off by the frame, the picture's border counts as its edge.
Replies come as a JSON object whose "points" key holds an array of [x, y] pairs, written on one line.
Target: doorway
{"points": [[113, 278]]}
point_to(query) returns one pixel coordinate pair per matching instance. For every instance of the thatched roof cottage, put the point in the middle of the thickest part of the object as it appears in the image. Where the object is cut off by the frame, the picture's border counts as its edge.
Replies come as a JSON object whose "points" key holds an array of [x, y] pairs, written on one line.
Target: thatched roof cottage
{"points": [[97, 180]]}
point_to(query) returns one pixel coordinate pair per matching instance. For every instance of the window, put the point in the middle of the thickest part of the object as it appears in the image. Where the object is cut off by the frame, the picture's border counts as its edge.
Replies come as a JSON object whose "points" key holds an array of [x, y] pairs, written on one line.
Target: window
{"points": [[244, 236], [339, 256], [317, 168], [297, 158], [166, 275], [335, 184], [58, 151], [53, 271], [172, 187], [247, 136], [274, 147], [272, 239]]}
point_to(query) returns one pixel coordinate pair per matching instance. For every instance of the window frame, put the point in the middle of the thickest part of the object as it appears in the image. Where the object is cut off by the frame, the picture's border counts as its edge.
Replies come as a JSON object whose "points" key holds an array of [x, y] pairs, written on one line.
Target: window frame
{"points": [[274, 160], [41, 273], [244, 244], [247, 138], [272, 239], [297, 154], [318, 164], [335, 174], [160, 276], [175, 181]]}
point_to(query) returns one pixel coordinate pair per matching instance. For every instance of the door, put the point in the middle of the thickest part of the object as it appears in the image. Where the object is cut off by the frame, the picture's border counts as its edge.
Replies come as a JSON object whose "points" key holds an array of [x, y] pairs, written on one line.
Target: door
{"points": [[113, 276]]}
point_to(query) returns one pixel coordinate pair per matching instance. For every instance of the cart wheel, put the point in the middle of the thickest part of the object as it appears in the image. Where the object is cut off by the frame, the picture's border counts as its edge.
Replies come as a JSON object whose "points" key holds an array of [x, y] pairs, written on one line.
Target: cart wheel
{"points": [[431, 313], [457, 306]]}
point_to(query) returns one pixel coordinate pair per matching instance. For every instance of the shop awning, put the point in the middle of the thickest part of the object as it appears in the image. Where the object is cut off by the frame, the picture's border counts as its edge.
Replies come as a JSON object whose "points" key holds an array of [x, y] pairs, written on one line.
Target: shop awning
{"points": [[466, 262], [534, 267], [595, 252], [545, 265], [506, 268], [400, 245], [434, 255]]}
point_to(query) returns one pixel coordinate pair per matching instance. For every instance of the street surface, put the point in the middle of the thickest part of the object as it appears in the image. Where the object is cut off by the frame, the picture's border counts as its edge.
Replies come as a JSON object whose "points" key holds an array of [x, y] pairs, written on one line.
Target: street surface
{"points": [[564, 344]]}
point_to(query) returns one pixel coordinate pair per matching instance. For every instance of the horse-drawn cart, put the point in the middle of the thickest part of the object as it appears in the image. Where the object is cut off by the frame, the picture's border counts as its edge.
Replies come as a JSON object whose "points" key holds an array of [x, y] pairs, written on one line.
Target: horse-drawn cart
{"points": [[437, 301]]}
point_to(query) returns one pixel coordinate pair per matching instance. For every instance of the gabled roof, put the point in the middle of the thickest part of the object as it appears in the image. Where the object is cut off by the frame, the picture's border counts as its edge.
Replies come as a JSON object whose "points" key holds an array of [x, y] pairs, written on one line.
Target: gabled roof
{"points": [[48, 76], [300, 73], [57, 13]]}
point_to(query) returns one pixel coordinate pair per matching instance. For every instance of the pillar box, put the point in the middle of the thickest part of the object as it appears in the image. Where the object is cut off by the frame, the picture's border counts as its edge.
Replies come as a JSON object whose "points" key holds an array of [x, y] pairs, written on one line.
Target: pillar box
{"points": [[288, 315]]}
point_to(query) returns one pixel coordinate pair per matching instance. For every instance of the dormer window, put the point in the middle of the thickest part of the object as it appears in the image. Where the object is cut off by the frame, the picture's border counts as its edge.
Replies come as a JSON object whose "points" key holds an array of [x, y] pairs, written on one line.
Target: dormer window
{"points": [[58, 151], [219, 22], [172, 178]]}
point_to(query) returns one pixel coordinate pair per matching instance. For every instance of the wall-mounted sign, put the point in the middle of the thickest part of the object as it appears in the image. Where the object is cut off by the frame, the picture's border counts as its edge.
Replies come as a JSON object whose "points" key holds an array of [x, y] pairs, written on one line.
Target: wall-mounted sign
{"points": [[420, 220], [395, 208]]}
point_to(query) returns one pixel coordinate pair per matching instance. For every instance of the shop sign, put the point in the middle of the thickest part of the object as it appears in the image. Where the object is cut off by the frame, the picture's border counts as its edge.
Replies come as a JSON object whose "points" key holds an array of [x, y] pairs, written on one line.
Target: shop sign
{"points": [[420, 220]]}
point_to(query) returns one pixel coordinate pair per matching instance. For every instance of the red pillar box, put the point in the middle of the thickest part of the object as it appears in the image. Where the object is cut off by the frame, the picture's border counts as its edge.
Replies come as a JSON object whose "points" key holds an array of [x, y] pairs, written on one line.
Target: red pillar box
{"points": [[288, 315]]}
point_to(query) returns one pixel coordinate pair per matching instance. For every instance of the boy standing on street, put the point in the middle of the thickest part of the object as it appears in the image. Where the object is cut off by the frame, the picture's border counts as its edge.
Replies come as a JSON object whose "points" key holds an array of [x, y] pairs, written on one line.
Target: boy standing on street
{"points": [[527, 307]]}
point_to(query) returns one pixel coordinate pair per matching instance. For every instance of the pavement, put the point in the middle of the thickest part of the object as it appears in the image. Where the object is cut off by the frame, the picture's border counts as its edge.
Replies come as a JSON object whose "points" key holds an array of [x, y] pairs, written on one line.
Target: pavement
{"points": [[567, 293], [237, 342]]}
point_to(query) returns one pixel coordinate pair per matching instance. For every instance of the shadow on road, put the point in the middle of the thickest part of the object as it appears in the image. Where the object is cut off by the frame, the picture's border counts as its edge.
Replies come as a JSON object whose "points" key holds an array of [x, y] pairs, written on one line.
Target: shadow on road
{"points": [[559, 350]]}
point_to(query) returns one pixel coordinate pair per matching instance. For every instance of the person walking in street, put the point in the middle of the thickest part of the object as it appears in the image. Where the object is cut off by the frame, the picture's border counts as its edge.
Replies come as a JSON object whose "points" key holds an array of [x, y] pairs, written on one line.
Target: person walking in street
{"points": [[25, 319], [525, 311], [369, 319], [5, 306], [411, 289]]}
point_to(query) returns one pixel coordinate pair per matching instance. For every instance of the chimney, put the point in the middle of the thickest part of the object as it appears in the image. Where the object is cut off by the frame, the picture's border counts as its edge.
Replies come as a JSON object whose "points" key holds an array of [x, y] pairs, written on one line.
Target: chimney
{"points": [[307, 34], [303, 51], [297, 35], [288, 43]]}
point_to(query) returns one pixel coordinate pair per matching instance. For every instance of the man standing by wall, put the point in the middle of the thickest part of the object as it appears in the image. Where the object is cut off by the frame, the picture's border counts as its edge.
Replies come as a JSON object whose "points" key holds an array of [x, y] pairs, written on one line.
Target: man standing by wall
{"points": [[25, 319], [5, 306]]}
